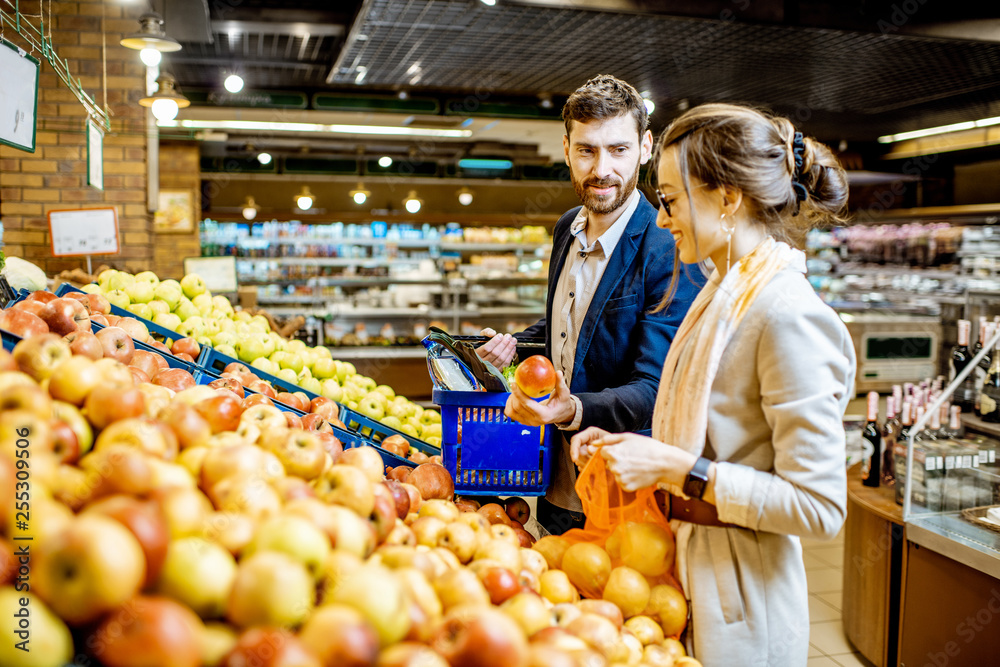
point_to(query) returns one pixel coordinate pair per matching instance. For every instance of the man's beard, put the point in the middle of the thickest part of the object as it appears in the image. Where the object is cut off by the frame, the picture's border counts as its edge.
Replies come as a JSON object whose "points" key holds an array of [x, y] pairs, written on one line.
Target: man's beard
{"points": [[604, 205]]}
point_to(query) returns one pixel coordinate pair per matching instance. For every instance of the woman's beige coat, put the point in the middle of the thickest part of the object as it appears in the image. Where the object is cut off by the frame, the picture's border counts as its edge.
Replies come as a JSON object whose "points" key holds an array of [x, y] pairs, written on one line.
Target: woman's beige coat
{"points": [[775, 428]]}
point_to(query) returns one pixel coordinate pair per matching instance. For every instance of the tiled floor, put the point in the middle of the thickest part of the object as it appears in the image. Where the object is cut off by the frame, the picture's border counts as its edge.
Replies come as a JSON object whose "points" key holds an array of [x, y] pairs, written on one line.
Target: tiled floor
{"points": [[828, 647]]}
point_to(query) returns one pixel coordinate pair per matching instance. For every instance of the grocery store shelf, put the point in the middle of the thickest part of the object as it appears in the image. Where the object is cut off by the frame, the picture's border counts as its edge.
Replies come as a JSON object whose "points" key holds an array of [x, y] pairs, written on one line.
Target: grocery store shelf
{"points": [[889, 270], [272, 300], [250, 241], [334, 261], [387, 352], [330, 281], [495, 247]]}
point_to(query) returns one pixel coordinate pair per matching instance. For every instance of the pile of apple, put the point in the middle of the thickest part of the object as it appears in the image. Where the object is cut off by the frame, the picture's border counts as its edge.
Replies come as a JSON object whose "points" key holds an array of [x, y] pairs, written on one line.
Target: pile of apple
{"points": [[184, 528], [188, 308]]}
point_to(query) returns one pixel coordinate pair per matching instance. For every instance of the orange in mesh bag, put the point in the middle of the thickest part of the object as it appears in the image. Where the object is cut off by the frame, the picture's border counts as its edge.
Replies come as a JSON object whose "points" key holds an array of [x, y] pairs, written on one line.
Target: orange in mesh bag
{"points": [[632, 530]]}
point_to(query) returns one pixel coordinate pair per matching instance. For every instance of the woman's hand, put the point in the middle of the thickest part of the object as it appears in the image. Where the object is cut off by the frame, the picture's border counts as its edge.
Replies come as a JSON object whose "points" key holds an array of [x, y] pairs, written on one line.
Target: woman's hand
{"points": [[558, 408], [638, 462], [585, 444]]}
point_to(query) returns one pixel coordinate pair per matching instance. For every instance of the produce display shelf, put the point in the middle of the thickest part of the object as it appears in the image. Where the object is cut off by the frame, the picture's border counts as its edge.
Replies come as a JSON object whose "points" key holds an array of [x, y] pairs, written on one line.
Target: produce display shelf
{"points": [[154, 329], [377, 431], [172, 361], [487, 453]]}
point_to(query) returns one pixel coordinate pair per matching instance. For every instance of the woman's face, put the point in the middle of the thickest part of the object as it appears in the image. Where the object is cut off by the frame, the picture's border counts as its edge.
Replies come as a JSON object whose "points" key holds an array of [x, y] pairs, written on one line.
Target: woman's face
{"points": [[695, 241]]}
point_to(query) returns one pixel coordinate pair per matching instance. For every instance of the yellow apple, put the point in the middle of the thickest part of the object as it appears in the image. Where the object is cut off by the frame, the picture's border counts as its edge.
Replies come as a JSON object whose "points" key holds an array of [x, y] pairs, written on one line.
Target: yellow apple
{"points": [[198, 573], [271, 588], [30, 625]]}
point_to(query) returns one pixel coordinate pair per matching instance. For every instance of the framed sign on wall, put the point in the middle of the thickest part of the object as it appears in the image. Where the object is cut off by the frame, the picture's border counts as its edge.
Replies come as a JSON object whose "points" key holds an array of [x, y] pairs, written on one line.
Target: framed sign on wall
{"points": [[18, 97], [175, 213]]}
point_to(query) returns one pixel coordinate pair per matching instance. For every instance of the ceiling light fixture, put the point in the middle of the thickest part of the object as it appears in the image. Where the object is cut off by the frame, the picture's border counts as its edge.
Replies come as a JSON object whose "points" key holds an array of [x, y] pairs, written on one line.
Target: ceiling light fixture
{"points": [[151, 35], [233, 83], [264, 158], [481, 163], [359, 195], [304, 200], [650, 105], [150, 57], [489, 3], [465, 196], [385, 162], [545, 101], [941, 129], [250, 209], [412, 203], [166, 101], [266, 126]]}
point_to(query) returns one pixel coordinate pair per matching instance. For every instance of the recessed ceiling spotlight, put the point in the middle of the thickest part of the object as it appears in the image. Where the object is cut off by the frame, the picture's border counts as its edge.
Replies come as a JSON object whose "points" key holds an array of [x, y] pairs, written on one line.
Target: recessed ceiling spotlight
{"points": [[647, 100], [403, 95], [233, 83], [385, 162], [264, 158], [545, 101]]}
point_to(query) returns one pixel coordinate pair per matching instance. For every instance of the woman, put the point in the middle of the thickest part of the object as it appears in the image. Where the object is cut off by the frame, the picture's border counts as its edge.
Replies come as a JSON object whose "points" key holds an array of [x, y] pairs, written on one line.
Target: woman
{"points": [[747, 429]]}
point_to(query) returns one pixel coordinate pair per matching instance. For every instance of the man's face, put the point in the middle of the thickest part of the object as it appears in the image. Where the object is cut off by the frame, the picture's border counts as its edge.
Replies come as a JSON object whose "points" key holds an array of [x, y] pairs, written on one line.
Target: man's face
{"points": [[604, 158]]}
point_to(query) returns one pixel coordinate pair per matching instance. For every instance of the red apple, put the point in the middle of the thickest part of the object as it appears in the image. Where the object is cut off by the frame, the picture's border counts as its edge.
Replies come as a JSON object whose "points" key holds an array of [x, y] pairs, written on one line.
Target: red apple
{"points": [[256, 399], [41, 296], [79, 296], [22, 323], [146, 362], [270, 647], [518, 510], [85, 343], [332, 445], [418, 457], [324, 407], [292, 400], [315, 422], [293, 420], [400, 473], [99, 318], [415, 499], [396, 444], [400, 497], [467, 505], [145, 520], [383, 517], [65, 443], [525, 538], [536, 376], [221, 412], [149, 631], [340, 636], [138, 375], [500, 583], [135, 329], [186, 346], [229, 383], [112, 319], [99, 304], [39, 356], [155, 343], [184, 357], [262, 388], [187, 424], [117, 344], [476, 636], [433, 481], [108, 403], [65, 315], [176, 379], [33, 307], [239, 369]]}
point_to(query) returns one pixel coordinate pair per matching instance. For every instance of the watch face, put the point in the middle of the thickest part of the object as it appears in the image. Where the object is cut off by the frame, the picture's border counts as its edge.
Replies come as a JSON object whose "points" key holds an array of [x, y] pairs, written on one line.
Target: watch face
{"points": [[694, 487]]}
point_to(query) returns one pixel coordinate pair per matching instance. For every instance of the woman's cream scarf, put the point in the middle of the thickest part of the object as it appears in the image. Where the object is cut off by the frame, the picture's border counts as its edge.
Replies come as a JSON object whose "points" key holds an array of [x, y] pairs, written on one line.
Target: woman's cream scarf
{"points": [[680, 415]]}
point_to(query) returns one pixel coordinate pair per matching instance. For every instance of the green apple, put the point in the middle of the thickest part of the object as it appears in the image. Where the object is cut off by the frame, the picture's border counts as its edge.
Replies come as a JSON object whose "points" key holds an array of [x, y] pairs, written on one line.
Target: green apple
{"points": [[279, 342], [378, 396], [434, 441], [398, 411], [393, 422], [117, 297], [93, 288], [185, 310], [140, 292], [198, 573], [430, 417], [367, 383], [345, 370], [353, 405], [415, 423], [308, 358], [353, 392], [387, 390], [224, 338], [227, 325], [203, 302], [296, 345], [227, 350], [409, 430], [287, 374], [431, 431], [241, 316], [168, 321], [416, 410], [324, 368], [121, 280], [291, 361], [190, 328], [204, 341], [293, 535], [211, 327], [104, 279], [263, 364], [158, 306], [311, 384], [148, 277], [140, 309], [371, 407], [253, 346], [50, 645], [323, 352], [170, 294], [304, 373], [193, 285], [243, 328], [332, 390], [220, 302]]}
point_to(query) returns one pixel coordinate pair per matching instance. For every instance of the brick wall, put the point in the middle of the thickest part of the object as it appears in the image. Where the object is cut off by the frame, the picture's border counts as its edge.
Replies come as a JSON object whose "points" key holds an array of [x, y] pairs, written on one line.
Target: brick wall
{"points": [[180, 169], [54, 176]]}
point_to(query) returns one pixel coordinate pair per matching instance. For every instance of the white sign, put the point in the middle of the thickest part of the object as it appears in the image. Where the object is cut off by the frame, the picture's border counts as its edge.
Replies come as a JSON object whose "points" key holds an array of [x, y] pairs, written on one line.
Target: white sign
{"points": [[18, 97], [92, 231], [219, 273], [95, 156]]}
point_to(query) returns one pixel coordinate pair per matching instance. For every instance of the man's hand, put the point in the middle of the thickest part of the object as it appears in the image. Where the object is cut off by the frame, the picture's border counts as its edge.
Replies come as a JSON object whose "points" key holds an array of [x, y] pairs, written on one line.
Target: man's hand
{"points": [[498, 350], [585, 444], [558, 408]]}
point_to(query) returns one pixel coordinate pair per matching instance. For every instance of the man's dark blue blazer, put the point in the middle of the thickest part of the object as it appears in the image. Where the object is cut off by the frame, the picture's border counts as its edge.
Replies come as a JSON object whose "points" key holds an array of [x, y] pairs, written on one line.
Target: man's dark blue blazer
{"points": [[622, 344]]}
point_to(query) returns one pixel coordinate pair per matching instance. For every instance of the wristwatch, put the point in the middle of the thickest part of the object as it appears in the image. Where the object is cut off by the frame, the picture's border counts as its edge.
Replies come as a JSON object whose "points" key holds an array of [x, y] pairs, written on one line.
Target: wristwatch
{"points": [[697, 479]]}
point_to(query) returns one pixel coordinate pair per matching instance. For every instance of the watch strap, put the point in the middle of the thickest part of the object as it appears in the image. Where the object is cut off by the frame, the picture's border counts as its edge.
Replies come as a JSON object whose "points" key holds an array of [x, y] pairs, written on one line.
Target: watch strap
{"points": [[697, 478]]}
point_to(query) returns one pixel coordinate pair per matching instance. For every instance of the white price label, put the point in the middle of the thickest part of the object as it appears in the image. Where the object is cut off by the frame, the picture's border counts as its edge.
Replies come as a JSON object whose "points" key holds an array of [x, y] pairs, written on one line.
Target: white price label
{"points": [[92, 231]]}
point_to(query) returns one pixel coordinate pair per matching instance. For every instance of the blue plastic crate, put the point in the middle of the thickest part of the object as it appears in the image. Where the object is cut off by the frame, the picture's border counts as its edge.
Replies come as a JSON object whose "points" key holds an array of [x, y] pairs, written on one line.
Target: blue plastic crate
{"points": [[9, 340], [154, 329], [215, 362], [487, 453], [377, 431]]}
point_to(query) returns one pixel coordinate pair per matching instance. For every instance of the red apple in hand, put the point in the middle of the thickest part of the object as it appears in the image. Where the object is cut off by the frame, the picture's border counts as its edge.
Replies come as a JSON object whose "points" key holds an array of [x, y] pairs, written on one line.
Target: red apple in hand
{"points": [[536, 376], [186, 346], [85, 343], [22, 323], [117, 344]]}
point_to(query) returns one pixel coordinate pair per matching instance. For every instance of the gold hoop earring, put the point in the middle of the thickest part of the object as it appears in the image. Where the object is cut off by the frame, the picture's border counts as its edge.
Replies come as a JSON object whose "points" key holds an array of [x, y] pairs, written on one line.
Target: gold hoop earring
{"points": [[729, 241]]}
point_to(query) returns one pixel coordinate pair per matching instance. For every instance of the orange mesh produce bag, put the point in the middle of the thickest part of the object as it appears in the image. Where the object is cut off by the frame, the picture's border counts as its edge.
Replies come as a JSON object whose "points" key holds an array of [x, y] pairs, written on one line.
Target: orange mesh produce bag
{"points": [[609, 508]]}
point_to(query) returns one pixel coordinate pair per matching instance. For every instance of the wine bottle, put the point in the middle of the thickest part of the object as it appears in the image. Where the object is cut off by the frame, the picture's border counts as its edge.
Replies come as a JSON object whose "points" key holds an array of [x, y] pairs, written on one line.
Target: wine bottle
{"points": [[902, 441], [983, 367], [871, 460], [954, 430], [960, 357], [890, 431], [990, 392]]}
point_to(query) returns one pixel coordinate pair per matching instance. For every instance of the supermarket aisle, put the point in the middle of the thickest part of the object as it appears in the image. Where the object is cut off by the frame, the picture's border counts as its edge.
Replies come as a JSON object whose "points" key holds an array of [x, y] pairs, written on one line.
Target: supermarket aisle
{"points": [[828, 646]]}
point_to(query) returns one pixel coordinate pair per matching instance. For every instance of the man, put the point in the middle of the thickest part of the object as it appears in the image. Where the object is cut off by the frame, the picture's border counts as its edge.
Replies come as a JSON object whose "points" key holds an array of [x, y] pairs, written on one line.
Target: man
{"points": [[610, 267]]}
